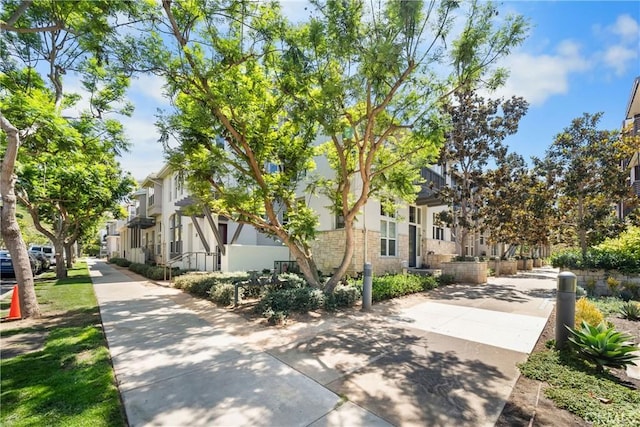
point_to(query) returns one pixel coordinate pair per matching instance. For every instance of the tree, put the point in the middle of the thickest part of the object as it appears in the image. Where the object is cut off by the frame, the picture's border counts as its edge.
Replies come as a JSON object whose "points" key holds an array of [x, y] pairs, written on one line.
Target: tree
{"points": [[478, 128], [583, 168], [63, 35], [253, 92], [518, 205]]}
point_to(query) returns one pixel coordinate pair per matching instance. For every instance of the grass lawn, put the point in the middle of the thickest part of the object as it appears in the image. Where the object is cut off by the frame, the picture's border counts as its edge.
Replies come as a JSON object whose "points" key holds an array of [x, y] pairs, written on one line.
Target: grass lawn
{"points": [[70, 382]]}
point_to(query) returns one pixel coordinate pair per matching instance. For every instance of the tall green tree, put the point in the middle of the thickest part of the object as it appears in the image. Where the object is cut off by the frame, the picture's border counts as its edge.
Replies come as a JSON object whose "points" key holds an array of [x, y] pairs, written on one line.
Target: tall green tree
{"points": [[254, 92], [55, 38], [583, 167], [478, 129], [518, 206]]}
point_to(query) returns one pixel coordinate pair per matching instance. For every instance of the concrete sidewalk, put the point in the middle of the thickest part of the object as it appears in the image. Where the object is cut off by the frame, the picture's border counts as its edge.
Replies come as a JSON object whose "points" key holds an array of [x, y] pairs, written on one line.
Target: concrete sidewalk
{"points": [[445, 359]]}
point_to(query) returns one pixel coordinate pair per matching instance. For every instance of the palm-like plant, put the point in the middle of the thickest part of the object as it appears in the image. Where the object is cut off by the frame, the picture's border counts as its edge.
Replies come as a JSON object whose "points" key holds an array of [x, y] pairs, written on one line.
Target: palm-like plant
{"points": [[630, 310], [604, 346]]}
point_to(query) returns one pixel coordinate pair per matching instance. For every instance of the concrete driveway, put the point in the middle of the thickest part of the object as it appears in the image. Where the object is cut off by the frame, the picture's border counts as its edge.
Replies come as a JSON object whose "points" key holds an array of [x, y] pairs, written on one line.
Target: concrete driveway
{"points": [[443, 359]]}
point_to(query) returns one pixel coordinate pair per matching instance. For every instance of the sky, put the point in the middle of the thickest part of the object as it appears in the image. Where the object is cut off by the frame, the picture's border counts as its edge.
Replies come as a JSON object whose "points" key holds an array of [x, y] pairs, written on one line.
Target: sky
{"points": [[580, 57]]}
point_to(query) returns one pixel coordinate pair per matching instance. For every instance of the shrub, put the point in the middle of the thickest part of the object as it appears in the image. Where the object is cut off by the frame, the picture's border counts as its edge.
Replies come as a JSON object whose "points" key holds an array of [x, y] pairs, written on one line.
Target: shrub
{"points": [[429, 282], [300, 300], [630, 310], [566, 259], [196, 284], [613, 284], [446, 279], [342, 296], [288, 281], [223, 293], [276, 317], [586, 311], [621, 253], [392, 286], [632, 289], [603, 346], [122, 262]]}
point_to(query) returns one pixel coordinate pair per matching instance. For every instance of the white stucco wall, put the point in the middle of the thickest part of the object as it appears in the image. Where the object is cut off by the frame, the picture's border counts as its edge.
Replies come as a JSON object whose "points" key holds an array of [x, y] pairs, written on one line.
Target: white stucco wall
{"points": [[246, 257]]}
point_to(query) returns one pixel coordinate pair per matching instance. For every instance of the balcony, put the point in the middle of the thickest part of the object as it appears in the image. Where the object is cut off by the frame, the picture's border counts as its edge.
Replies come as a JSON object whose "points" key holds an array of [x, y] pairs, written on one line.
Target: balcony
{"points": [[428, 194], [141, 222]]}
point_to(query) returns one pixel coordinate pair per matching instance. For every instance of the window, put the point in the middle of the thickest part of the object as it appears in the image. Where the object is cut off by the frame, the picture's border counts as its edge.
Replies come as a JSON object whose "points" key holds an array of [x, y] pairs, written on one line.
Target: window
{"points": [[481, 239], [388, 237], [175, 234], [339, 221], [438, 232]]}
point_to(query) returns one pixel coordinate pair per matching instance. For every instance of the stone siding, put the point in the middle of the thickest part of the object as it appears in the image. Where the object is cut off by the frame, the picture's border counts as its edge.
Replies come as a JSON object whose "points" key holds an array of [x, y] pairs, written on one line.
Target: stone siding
{"points": [[466, 271], [329, 246], [503, 267], [434, 261], [525, 264], [439, 246]]}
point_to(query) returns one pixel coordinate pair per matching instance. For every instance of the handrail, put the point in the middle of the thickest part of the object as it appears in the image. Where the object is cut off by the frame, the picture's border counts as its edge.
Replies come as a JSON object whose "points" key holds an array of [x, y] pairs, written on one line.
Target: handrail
{"points": [[181, 257]]}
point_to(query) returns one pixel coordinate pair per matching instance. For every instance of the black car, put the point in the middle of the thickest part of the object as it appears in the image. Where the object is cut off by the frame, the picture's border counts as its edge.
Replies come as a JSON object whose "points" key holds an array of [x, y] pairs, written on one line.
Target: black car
{"points": [[6, 264]]}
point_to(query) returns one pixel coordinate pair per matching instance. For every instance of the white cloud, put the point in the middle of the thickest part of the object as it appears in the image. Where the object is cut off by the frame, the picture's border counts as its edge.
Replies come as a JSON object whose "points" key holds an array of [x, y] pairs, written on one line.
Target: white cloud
{"points": [[626, 27], [150, 86], [621, 50], [618, 56], [538, 77]]}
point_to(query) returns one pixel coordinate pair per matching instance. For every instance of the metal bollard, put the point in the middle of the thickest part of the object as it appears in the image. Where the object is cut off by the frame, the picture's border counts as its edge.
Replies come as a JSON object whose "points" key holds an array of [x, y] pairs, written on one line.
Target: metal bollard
{"points": [[367, 283], [565, 307]]}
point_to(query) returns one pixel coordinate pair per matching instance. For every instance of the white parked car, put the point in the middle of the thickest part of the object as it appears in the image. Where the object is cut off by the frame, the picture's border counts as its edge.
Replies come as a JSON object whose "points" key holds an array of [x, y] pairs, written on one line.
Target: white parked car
{"points": [[48, 251]]}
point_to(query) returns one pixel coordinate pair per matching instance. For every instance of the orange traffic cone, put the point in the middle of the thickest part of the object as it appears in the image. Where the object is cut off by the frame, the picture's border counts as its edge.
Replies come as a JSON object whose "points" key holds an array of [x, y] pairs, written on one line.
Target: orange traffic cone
{"points": [[14, 311]]}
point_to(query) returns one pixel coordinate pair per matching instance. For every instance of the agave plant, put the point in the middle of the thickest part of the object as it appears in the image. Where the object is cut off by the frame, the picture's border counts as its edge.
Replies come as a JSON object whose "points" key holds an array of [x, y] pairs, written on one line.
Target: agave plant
{"points": [[604, 346], [630, 310]]}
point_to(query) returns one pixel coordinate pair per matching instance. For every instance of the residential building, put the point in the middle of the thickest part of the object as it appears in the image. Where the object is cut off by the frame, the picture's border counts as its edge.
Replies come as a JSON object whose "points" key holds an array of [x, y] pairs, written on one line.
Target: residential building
{"points": [[631, 123], [160, 231]]}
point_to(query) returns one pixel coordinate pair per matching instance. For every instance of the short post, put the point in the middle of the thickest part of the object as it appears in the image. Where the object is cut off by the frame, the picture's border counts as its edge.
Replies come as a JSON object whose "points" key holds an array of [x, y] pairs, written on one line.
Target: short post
{"points": [[565, 307], [236, 297], [367, 284]]}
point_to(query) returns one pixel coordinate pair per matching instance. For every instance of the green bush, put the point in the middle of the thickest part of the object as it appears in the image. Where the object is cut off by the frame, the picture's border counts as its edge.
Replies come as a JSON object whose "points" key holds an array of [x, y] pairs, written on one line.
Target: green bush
{"points": [[429, 282], [122, 262], [392, 286], [222, 294], [621, 253], [300, 300], [288, 281], [603, 346], [342, 296], [571, 258], [446, 279], [196, 284]]}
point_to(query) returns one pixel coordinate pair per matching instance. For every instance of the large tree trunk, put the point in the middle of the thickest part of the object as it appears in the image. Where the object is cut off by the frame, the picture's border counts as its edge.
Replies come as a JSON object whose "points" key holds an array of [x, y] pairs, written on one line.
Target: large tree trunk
{"points": [[69, 258], [9, 226], [61, 268], [306, 264], [349, 248]]}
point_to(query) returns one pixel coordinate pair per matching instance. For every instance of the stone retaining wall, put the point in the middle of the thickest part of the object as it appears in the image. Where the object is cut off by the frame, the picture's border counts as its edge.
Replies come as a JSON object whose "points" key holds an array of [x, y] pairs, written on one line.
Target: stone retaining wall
{"points": [[596, 280], [435, 261], [525, 264], [466, 271], [503, 267]]}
